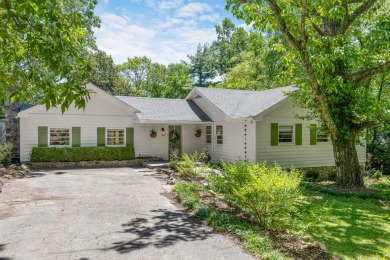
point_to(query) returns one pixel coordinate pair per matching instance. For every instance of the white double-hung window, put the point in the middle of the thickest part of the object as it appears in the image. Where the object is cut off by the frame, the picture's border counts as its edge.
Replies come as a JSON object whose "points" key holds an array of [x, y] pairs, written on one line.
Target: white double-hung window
{"points": [[115, 137], [286, 133], [59, 137]]}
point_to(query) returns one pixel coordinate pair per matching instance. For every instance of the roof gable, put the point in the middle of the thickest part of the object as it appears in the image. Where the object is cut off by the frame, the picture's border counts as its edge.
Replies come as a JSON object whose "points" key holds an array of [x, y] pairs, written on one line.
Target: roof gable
{"points": [[163, 109], [97, 96], [242, 103]]}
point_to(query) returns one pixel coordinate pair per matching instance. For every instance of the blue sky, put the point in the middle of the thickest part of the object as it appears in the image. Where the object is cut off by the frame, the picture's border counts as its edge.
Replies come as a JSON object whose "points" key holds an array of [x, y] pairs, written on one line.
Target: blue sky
{"points": [[164, 31]]}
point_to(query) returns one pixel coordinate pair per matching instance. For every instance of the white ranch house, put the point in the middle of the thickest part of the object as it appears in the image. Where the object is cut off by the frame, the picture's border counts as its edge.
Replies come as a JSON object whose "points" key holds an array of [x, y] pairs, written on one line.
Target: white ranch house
{"points": [[252, 125]]}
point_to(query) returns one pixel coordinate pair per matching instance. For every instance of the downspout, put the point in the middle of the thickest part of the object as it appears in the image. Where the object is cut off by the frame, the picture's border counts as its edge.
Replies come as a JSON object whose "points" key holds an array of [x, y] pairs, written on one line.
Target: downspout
{"points": [[212, 141]]}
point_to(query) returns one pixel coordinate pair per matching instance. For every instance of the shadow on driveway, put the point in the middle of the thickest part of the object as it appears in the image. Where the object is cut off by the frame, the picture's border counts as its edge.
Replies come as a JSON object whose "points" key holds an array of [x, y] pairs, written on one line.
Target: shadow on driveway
{"points": [[163, 230]]}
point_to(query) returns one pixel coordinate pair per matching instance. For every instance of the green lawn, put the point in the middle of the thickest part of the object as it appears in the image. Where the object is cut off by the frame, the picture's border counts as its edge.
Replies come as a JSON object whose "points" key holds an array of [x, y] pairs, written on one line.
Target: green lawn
{"points": [[352, 227]]}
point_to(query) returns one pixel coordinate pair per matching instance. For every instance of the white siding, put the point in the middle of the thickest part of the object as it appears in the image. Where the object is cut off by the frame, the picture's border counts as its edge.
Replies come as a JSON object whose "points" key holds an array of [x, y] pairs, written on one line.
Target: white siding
{"points": [[287, 155], [212, 111], [233, 147], [99, 112], [147, 146], [144, 145], [191, 143]]}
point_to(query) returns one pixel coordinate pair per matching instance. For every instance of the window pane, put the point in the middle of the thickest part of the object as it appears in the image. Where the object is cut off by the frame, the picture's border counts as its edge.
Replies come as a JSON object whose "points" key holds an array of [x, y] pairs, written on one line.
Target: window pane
{"points": [[219, 134], [286, 134], [115, 136], [208, 130], [321, 137], [59, 136]]}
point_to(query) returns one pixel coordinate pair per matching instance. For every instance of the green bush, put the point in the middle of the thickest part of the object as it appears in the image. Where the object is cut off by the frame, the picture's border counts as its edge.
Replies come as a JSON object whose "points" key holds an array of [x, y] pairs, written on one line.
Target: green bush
{"points": [[5, 152], [320, 174], [254, 240], [269, 194], [187, 167], [77, 154]]}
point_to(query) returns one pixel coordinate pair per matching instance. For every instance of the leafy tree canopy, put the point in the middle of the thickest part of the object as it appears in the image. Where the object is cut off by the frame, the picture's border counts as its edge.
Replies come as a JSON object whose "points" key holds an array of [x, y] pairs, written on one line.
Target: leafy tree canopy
{"points": [[44, 48], [335, 50], [104, 72]]}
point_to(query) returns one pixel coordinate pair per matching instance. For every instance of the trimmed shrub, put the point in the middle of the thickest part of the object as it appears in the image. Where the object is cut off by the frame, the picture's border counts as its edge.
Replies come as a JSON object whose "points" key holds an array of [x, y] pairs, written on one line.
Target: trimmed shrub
{"points": [[77, 154], [269, 194]]}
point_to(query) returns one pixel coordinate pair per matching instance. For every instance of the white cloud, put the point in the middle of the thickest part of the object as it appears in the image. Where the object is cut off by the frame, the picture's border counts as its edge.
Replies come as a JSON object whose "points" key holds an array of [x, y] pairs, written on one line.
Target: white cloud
{"points": [[170, 4], [121, 39], [193, 9], [168, 37], [214, 18]]}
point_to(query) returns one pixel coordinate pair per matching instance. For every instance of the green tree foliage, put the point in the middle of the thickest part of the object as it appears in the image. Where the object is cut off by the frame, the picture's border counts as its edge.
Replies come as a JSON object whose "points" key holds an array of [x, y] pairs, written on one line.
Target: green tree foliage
{"points": [[135, 72], [177, 81], [268, 193], [155, 80], [201, 66], [231, 42], [44, 47], [140, 76], [335, 49], [104, 73], [259, 67]]}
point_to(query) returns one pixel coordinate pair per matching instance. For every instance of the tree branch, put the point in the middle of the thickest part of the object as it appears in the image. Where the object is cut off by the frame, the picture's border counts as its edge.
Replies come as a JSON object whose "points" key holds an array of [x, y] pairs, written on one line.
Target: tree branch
{"points": [[346, 15], [303, 23], [358, 12], [282, 25], [368, 124], [315, 26], [367, 73]]}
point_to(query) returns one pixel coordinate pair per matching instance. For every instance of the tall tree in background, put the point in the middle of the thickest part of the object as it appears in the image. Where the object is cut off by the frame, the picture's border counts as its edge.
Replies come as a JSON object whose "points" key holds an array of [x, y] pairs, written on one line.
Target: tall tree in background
{"points": [[104, 73], [177, 81], [201, 67], [155, 80], [44, 48], [135, 72], [231, 41], [340, 46], [259, 67]]}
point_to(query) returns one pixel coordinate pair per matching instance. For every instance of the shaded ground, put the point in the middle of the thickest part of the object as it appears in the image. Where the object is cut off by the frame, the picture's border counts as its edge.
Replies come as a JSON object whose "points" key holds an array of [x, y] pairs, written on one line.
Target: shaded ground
{"points": [[101, 214]]}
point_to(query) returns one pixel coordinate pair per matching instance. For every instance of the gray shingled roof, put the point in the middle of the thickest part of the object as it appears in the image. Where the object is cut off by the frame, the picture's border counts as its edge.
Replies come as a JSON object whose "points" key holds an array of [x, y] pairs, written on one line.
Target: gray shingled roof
{"points": [[244, 103], [162, 109]]}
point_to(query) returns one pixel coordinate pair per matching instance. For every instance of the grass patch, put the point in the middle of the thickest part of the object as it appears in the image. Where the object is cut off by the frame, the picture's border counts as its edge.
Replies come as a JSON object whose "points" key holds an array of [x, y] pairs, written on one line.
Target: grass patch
{"points": [[357, 225], [254, 240]]}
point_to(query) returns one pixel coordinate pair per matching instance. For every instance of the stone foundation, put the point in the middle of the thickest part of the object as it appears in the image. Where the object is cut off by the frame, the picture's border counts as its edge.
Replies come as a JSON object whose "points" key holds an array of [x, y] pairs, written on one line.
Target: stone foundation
{"points": [[90, 164]]}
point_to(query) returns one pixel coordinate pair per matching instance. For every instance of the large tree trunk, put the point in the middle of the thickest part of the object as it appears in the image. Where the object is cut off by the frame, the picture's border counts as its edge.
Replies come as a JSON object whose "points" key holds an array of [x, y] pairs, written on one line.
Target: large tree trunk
{"points": [[347, 163]]}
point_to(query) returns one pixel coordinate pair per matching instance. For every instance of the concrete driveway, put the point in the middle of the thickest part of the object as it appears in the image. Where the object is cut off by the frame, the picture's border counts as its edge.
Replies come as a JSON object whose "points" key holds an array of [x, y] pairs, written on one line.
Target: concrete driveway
{"points": [[119, 213]]}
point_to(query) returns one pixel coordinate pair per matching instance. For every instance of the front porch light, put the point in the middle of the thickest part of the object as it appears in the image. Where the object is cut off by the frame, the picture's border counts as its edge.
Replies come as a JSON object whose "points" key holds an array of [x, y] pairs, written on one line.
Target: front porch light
{"points": [[162, 131]]}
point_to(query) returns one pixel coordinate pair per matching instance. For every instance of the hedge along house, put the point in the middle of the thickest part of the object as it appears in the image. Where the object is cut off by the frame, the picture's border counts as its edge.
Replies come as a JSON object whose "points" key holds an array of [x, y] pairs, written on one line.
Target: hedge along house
{"points": [[251, 125]]}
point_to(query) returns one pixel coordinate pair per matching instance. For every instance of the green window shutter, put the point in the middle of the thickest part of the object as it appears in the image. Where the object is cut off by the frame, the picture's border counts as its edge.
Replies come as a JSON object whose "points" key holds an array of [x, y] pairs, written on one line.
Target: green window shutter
{"points": [[298, 134], [313, 134], [274, 134], [101, 136], [42, 136], [129, 136], [76, 136]]}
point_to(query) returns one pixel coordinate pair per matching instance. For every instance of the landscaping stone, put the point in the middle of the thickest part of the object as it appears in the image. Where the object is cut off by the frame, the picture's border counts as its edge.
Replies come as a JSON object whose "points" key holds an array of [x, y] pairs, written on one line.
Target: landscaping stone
{"points": [[90, 164]]}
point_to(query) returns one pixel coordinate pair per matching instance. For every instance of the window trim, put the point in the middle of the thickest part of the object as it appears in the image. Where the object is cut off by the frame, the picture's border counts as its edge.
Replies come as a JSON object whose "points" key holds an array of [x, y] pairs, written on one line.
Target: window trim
{"points": [[210, 134], [322, 133], [217, 135], [60, 145], [117, 129], [292, 134]]}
